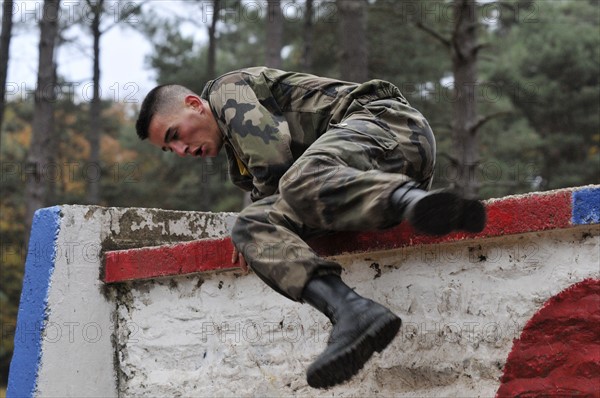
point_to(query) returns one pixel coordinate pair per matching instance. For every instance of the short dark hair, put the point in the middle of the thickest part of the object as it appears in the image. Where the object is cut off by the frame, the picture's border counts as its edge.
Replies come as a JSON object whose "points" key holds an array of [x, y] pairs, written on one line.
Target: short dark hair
{"points": [[160, 99]]}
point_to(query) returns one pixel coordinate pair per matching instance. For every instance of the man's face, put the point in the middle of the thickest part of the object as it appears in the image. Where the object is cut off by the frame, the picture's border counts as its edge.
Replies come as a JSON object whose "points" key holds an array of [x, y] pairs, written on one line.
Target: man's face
{"points": [[191, 130]]}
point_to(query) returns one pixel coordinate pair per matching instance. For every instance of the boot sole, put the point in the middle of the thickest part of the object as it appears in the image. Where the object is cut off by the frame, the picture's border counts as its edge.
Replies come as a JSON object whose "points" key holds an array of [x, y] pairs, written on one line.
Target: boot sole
{"points": [[440, 213], [329, 371]]}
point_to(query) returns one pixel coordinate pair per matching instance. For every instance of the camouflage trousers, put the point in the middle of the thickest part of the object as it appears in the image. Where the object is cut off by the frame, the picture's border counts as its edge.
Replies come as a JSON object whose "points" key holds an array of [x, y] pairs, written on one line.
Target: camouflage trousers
{"points": [[342, 182]]}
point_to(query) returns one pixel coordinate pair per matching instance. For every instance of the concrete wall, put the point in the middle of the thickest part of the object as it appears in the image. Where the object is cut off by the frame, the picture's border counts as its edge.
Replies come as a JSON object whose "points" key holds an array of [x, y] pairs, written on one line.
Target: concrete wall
{"points": [[172, 330], [65, 342], [462, 305]]}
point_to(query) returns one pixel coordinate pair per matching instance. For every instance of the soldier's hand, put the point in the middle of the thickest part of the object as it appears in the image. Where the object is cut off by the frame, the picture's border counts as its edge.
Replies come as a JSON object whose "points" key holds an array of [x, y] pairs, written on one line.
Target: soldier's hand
{"points": [[239, 257]]}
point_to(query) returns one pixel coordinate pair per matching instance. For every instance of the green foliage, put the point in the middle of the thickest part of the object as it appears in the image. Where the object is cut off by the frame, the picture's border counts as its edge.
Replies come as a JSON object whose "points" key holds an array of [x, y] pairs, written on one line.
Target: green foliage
{"points": [[177, 57], [12, 211], [408, 57], [552, 66]]}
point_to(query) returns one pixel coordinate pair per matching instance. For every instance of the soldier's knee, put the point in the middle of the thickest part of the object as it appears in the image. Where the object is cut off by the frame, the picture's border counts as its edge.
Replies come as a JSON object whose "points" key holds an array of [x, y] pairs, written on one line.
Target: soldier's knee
{"points": [[292, 176], [301, 185], [287, 194], [295, 184]]}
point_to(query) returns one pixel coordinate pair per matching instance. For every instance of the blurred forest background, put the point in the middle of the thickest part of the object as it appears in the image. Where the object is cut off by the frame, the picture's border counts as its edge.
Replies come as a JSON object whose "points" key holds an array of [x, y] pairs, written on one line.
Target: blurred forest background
{"points": [[510, 88]]}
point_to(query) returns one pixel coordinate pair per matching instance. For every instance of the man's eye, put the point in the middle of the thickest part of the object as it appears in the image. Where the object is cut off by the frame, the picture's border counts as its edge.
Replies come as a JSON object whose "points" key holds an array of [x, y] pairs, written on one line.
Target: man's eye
{"points": [[175, 135]]}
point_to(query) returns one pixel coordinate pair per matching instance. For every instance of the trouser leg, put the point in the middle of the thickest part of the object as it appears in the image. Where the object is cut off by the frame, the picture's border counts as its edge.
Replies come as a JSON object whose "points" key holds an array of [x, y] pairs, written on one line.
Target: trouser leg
{"points": [[345, 180], [271, 237]]}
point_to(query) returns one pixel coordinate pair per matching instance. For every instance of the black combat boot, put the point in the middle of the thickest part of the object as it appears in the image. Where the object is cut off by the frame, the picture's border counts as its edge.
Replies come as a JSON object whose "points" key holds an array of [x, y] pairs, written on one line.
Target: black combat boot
{"points": [[438, 212], [360, 327]]}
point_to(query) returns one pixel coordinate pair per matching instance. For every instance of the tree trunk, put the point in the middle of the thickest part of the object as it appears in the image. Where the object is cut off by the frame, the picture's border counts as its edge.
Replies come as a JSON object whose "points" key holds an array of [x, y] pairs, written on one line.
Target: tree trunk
{"points": [[353, 39], [5, 36], [93, 177], [308, 37], [212, 41], [38, 167], [274, 34], [464, 62]]}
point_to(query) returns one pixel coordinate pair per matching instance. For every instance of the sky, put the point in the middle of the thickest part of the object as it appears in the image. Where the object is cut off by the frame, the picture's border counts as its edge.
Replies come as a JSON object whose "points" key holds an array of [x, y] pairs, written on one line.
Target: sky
{"points": [[125, 76]]}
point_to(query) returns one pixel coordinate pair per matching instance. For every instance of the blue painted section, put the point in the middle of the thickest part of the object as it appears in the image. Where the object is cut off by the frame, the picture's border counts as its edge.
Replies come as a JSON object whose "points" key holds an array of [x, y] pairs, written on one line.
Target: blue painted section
{"points": [[586, 206], [39, 266]]}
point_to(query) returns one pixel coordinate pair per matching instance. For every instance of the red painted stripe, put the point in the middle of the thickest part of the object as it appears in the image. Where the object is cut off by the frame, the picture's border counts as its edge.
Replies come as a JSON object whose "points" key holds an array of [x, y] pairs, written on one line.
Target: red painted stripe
{"points": [[179, 259], [512, 215]]}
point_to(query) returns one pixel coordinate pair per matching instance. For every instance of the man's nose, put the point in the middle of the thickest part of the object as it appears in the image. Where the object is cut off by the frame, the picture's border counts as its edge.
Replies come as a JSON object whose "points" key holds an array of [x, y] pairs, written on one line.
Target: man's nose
{"points": [[180, 148]]}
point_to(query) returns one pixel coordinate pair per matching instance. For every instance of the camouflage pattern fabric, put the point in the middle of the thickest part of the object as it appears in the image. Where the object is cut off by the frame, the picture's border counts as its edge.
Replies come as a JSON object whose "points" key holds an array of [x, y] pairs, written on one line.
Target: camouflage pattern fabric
{"points": [[319, 155], [270, 236]]}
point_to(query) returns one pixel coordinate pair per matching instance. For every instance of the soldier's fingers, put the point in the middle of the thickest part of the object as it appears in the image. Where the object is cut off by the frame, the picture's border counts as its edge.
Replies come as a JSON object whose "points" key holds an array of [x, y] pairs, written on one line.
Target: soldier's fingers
{"points": [[234, 256], [243, 264]]}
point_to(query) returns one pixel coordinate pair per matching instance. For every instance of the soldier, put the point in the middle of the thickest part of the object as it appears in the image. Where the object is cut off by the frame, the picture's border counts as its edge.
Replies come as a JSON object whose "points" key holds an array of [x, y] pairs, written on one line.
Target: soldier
{"points": [[317, 155]]}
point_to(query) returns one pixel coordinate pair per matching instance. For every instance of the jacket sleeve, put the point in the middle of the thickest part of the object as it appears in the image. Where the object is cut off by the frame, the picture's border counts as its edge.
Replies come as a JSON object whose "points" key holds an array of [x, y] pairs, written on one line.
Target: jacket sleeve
{"points": [[255, 127]]}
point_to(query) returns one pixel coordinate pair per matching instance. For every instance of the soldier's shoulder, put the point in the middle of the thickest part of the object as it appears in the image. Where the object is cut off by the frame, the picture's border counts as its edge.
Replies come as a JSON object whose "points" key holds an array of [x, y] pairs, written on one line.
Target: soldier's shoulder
{"points": [[261, 73], [242, 74]]}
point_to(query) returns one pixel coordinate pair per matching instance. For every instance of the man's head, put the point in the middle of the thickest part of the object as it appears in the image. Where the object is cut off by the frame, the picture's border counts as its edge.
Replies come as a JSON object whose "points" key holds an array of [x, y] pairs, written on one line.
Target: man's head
{"points": [[175, 119]]}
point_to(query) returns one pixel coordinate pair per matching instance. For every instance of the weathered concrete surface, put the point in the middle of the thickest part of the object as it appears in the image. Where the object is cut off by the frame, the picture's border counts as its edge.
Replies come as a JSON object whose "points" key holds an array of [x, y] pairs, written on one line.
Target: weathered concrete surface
{"points": [[462, 305], [65, 344], [227, 334]]}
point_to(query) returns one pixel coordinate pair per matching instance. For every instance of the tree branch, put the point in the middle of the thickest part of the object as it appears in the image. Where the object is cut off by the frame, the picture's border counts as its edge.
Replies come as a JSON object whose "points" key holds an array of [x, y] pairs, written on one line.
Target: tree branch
{"points": [[125, 15], [478, 47], [487, 58], [482, 120], [445, 41], [453, 161]]}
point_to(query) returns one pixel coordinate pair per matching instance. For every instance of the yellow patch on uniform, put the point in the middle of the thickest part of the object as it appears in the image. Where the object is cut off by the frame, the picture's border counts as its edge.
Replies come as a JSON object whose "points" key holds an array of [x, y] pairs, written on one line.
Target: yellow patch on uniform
{"points": [[243, 170]]}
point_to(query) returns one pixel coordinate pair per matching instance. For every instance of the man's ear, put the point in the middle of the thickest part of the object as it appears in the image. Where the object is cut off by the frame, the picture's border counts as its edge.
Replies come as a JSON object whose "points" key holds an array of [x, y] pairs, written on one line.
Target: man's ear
{"points": [[193, 101]]}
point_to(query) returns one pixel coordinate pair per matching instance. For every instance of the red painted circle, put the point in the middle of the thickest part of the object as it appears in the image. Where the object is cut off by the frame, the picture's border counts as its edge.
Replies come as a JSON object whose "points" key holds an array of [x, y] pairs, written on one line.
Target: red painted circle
{"points": [[558, 353]]}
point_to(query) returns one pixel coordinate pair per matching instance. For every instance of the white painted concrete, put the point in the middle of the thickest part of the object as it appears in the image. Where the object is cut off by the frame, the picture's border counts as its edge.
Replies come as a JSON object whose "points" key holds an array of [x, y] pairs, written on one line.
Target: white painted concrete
{"points": [[78, 354], [462, 305]]}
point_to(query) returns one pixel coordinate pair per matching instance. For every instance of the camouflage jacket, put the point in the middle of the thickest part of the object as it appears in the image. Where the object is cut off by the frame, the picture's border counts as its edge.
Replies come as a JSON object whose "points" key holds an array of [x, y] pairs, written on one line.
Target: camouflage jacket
{"points": [[269, 117]]}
